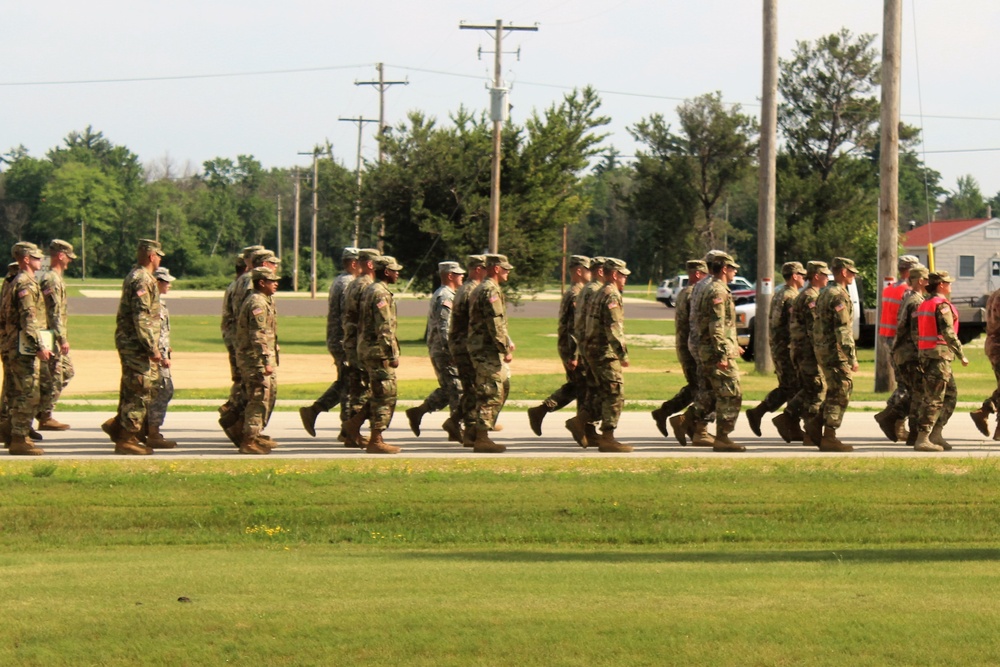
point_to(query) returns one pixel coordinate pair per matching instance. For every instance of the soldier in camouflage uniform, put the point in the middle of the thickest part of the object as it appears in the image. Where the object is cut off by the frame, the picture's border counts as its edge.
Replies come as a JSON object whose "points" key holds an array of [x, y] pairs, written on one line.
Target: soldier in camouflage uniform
{"points": [[992, 348], [489, 347], [356, 385], [904, 402], [587, 411], [257, 355], [808, 401], [449, 389], [696, 270], [833, 341], [56, 373], [137, 335], [164, 390], [575, 387], [717, 352], [334, 343], [25, 348], [937, 340], [12, 270], [458, 336], [378, 351], [606, 352], [780, 337], [228, 324]]}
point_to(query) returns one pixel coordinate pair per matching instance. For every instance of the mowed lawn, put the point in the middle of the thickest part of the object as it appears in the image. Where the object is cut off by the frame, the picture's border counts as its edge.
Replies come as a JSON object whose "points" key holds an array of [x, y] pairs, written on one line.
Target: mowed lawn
{"points": [[513, 562]]}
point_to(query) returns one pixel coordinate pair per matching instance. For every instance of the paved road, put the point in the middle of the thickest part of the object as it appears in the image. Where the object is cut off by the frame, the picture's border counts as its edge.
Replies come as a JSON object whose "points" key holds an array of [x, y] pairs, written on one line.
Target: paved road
{"points": [[200, 437]]}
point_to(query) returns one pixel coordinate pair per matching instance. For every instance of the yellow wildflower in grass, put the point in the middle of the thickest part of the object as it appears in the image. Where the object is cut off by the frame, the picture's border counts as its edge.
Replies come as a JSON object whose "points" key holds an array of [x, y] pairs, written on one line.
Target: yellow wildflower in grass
{"points": [[262, 529]]}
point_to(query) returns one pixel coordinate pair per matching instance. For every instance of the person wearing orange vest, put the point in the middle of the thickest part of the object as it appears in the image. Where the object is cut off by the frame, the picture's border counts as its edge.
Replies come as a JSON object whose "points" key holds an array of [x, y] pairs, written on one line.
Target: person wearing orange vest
{"points": [[992, 348], [891, 423], [938, 345]]}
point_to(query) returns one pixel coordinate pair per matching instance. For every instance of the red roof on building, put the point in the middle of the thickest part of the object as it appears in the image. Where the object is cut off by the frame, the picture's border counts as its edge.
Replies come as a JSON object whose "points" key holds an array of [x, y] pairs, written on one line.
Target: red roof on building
{"points": [[939, 230]]}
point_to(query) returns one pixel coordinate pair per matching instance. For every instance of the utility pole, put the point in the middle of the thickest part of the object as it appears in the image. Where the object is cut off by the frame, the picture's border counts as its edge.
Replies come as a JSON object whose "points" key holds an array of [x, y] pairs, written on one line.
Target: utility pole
{"points": [[315, 219], [766, 197], [295, 233], [278, 227], [888, 222], [157, 237], [498, 112], [381, 85], [360, 120]]}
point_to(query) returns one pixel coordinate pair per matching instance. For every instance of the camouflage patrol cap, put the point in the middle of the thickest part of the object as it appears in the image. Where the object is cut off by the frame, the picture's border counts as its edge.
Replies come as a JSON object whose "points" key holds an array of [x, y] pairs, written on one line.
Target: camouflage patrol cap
{"points": [[349, 253], [499, 260], [721, 258], [843, 263], [26, 249], [578, 260], [248, 252], [241, 263], [712, 254], [918, 272], [475, 261], [597, 263], [938, 277], [264, 273], [907, 262], [368, 254], [13, 268], [387, 263], [58, 245], [789, 269], [693, 265], [163, 273], [816, 266], [149, 245], [450, 267], [615, 264], [261, 256]]}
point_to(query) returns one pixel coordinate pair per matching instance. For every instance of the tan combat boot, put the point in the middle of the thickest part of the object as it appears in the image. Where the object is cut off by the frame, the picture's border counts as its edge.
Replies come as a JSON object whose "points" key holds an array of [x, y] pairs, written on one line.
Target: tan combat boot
{"points": [[249, 445], [112, 428], [308, 416], [22, 446], [469, 436], [607, 442], [577, 429], [981, 420], [483, 444], [156, 440], [754, 417], [453, 430], [901, 432], [660, 419], [352, 427], [937, 437], [376, 445], [701, 437], [128, 444], [722, 441], [830, 443], [813, 431], [47, 422], [924, 444], [590, 435], [535, 417], [787, 426], [414, 415], [266, 441], [678, 423], [887, 422]]}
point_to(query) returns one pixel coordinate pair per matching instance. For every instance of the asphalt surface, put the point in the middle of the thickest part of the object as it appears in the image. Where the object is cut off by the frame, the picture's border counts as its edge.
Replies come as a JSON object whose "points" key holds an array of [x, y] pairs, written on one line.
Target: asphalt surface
{"points": [[201, 438]]}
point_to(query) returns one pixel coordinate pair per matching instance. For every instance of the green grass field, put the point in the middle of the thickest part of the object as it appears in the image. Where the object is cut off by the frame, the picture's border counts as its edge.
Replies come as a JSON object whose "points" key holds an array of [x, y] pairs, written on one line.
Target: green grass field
{"points": [[513, 562]]}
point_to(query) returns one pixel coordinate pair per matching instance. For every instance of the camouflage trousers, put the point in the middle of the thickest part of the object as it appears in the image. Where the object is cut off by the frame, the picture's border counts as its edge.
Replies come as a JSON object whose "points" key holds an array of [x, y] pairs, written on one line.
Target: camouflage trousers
{"points": [[356, 386], [940, 393], [704, 403], [21, 382], [382, 383], [574, 389], [235, 400], [467, 378], [139, 378], [260, 392], [788, 384], [449, 389], [906, 397], [162, 394], [492, 382], [685, 396], [53, 376], [5, 392], [335, 394], [839, 385], [726, 391], [606, 384], [992, 404], [808, 401]]}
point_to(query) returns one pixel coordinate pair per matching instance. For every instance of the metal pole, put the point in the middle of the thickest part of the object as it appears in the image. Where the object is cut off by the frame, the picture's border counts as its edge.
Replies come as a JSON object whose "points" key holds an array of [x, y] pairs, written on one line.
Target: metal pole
{"points": [[766, 199], [157, 237], [83, 249], [315, 220], [497, 130], [295, 233], [278, 227]]}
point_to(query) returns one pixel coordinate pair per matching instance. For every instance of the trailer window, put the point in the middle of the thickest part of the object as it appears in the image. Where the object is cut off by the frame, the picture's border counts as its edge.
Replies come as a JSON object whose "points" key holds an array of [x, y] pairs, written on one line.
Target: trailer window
{"points": [[966, 266]]}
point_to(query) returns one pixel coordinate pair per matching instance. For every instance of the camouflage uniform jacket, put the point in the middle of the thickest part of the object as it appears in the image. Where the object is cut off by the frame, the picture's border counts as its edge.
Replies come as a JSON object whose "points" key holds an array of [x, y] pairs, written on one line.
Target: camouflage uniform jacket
{"points": [[164, 341], [54, 292], [138, 321], [682, 323], [567, 342], [694, 316], [487, 321], [779, 320], [229, 313], [587, 292], [717, 323], [257, 334], [334, 314], [904, 345], [833, 331], [439, 320], [377, 325], [946, 329], [458, 328], [605, 337], [802, 323], [26, 312], [992, 345], [349, 314], [5, 294]]}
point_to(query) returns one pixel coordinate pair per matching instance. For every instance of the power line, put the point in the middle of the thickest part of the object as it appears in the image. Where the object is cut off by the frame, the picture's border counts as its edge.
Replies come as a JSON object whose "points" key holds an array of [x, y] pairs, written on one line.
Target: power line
{"points": [[181, 77]]}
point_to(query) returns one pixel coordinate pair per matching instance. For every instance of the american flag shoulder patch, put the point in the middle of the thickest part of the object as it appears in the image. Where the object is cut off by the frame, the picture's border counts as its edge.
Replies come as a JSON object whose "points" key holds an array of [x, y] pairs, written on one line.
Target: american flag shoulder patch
{"points": [[47, 291], [446, 304], [258, 311], [612, 304], [494, 298], [23, 293], [812, 304], [717, 300], [381, 304], [141, 292], [839, 307]]}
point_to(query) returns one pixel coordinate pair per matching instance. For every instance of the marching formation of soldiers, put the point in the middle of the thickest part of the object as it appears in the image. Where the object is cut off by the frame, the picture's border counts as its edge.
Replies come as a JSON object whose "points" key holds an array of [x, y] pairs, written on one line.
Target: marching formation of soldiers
{"points": [[470, 349]]}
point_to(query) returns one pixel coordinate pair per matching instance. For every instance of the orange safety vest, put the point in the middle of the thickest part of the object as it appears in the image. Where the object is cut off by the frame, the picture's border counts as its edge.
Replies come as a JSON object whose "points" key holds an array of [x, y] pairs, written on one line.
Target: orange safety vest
{"points": [[927, 332], [892, 299]]}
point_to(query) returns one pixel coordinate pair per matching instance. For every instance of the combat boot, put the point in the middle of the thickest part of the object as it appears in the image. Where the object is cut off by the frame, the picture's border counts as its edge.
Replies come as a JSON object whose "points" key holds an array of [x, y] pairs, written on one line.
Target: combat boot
{"points": [[887, 422], [577, 429], [308, 416], [813, 431], [606, 442], [352, 427], [483, 444], [266, 441], [47, 422], [376, 445], [155, 439], [453, 430], [660, 416], [722, 440], [5, 433], [112, 428], [535, 417], [128, 444], [235, 432], [830, 443], [980, 419], [937, 437], [22, 446], [469, 436], [787, 426], [249, 445], [911, 438], [701, 437], [678, 423], [754, 417], [901, 432], [996, 433], [924, 444], [590, 435], [496, 428], [414, 415]]}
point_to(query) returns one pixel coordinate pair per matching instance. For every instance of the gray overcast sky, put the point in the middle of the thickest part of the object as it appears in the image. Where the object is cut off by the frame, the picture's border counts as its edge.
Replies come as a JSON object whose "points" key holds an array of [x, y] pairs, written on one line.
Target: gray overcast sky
{"points": [[643, 56]]}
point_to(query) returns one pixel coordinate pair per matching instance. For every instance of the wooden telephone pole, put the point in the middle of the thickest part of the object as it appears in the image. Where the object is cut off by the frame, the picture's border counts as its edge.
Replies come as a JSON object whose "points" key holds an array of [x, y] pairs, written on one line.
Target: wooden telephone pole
{"points": [[360, 120], [766, 198]]}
